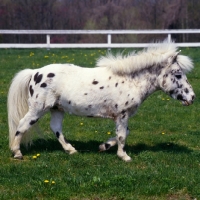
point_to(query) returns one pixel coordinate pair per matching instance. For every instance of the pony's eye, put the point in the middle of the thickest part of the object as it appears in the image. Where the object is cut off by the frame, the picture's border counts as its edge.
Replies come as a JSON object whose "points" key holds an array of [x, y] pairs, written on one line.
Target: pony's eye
{"points": [[178, 76]]}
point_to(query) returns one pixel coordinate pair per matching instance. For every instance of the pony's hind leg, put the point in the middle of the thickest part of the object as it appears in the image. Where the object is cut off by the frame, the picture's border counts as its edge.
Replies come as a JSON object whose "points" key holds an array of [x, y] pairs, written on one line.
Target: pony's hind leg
{"points": [[107, 145], [24, 125], [56, 126]]}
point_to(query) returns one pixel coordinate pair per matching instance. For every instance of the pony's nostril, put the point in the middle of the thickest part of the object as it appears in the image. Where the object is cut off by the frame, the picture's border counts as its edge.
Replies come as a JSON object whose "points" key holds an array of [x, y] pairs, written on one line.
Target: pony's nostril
{"points": [[193, 97]]}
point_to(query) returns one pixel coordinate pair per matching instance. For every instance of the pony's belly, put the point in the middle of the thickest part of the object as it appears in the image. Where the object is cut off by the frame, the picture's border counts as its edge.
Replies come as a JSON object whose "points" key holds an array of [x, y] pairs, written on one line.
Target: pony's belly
{"points": [[91, 110]]}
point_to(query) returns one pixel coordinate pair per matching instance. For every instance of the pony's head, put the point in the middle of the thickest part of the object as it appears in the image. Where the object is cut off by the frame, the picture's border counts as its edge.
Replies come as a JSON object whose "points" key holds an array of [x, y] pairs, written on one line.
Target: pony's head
{"points": [[173, 80]]}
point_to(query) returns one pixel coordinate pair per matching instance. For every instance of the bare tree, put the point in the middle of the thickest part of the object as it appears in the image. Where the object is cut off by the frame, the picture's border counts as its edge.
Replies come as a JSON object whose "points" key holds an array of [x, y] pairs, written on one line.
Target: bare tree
{"points": [[97, 14]]}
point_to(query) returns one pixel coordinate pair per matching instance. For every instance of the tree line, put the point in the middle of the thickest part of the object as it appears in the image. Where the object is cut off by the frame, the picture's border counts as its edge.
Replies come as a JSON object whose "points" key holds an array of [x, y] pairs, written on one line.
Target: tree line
{"points": [[98, 14]]}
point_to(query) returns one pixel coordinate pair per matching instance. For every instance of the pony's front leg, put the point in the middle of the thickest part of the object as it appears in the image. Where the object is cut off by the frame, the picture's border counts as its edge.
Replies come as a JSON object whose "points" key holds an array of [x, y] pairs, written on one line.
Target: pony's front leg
{"points": [[122, 132], [56, 126]]}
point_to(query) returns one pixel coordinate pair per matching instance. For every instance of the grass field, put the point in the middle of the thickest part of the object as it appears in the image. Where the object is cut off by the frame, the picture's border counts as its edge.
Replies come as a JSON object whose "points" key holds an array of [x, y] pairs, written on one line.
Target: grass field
{"points": [[164, 144]]}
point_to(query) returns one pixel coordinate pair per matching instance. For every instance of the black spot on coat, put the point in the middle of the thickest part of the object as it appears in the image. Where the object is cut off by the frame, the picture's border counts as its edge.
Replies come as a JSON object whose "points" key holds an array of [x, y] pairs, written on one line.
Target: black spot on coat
{"points": [[50, 75], [43, 85], [116, 84], [101, 87], [31, 90], [107, 146], [39, 78], [33, 122], [123, 116], [17, 133], [35, 77], [57, 134], [95, 82], [186, 90], [123, 112]]}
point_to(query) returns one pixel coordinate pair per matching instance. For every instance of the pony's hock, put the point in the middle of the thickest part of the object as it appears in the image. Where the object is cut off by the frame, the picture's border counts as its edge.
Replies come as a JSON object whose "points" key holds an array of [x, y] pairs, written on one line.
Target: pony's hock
{"points": [[114, 89]]}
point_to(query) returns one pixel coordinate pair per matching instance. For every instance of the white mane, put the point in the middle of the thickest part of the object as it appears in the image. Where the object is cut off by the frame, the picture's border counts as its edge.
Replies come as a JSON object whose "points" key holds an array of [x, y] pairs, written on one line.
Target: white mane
{"points": [[153, 55]]}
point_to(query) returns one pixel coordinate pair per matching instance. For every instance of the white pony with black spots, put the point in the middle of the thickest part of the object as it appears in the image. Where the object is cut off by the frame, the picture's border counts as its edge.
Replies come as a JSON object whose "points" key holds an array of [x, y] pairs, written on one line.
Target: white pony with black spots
{"points": [[114, 89]]}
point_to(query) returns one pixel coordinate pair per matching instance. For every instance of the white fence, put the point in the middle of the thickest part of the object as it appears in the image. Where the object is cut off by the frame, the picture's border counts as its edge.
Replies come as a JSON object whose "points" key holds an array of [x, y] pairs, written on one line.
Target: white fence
{"points": [[108, 44]]}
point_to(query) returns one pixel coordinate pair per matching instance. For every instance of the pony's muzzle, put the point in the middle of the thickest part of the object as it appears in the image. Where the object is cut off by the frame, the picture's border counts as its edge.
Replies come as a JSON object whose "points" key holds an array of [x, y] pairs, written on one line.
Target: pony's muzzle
{"points": [[184, 101], [187, 103]]}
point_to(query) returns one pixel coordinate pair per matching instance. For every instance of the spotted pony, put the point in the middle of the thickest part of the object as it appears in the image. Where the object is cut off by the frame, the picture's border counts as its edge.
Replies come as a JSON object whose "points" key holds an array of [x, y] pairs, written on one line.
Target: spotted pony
{"points": [[114, 89]]}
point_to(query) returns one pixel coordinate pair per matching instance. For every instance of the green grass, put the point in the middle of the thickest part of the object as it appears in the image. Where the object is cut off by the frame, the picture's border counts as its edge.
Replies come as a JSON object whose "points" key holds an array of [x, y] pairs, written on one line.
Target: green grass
{"points": [[164, 143]]}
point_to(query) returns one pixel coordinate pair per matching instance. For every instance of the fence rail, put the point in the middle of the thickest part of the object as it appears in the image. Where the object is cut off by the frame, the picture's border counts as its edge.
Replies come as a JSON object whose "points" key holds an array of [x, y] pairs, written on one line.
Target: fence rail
{"points": [[107, 44]]}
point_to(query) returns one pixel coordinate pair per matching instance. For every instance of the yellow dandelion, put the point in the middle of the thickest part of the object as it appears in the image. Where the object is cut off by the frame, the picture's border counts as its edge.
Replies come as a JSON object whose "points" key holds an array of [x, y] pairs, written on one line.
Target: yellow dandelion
{"points": [[34, 157], [108, 132], [163, 133], [53, 182], [81, 123], [38, 155], [46, 181]]}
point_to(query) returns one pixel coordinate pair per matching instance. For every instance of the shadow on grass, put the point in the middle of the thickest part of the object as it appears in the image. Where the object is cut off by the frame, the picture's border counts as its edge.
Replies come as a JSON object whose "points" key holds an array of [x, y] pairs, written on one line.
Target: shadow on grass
{"points": [[92, 146], [164, 146]]}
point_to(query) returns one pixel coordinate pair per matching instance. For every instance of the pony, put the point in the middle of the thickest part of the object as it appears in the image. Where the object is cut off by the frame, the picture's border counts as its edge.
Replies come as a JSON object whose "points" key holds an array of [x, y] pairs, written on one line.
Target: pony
{"points": [[114, 89]]}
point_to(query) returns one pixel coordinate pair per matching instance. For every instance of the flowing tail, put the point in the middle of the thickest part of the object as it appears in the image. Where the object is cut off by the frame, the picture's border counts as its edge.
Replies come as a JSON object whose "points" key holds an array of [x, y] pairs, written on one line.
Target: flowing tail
{"points": [[17, 102]]}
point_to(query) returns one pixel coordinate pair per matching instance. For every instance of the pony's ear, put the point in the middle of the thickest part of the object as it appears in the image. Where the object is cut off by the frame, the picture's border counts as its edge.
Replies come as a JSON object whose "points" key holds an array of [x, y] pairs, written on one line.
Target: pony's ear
{"points": [[173, 58]]}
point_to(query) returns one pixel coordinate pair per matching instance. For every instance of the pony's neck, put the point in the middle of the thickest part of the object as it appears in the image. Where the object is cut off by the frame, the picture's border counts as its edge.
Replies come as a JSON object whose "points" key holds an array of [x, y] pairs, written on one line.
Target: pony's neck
{"points": [[147, 81]]}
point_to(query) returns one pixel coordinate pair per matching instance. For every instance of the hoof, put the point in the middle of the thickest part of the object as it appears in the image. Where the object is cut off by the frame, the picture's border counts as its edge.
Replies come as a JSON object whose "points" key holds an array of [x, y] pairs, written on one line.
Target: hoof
{"points": [[127, 159], [124, 157], [18, 157], [104, 147], [72, 152]]}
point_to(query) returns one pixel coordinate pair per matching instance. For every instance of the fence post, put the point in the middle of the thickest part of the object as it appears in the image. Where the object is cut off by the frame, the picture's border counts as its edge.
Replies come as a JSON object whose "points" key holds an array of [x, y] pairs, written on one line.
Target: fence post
{"points": [[48, 41], [109, 40], [169, 37]]}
